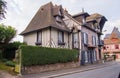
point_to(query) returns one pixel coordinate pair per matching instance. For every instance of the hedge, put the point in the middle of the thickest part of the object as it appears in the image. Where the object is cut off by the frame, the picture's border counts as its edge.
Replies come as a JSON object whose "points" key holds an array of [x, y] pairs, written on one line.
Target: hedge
{"points": [[35, 55], [10, 50]]}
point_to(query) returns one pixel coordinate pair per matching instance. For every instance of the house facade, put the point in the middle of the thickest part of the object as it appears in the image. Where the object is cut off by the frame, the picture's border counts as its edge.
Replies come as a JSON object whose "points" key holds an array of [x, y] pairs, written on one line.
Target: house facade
{"points": [[53, 26], [112, 43], [91, 31]]}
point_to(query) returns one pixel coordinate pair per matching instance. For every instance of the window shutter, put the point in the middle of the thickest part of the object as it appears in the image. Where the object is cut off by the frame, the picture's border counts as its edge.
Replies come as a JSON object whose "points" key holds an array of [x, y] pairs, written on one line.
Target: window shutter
{"points": [[95, 40], [92, 40], [83, 37], [87, 38]]}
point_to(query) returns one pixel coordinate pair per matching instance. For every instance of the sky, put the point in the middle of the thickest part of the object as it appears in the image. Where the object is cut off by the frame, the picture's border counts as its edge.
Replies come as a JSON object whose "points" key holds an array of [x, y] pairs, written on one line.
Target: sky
{"points": [[20, 12]]}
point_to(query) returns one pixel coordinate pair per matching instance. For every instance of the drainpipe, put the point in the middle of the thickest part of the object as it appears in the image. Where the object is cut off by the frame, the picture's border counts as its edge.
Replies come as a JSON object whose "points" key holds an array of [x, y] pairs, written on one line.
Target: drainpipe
{"points": [[79, 45], [68, 40]]}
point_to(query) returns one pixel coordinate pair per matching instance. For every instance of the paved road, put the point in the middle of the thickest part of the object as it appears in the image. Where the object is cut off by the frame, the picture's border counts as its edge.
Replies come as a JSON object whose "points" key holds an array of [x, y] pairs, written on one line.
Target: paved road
{"points": [[106, 72]]}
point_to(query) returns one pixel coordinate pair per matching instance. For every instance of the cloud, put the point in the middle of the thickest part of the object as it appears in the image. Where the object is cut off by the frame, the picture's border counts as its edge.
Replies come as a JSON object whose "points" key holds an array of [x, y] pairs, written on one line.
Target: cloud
{"points": [[20, 12], [110, 25]]}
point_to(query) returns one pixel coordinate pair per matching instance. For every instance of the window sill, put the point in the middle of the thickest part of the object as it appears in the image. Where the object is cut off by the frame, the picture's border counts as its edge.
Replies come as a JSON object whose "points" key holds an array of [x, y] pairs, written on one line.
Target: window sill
{"points": [[61, 43], [38, 43]]}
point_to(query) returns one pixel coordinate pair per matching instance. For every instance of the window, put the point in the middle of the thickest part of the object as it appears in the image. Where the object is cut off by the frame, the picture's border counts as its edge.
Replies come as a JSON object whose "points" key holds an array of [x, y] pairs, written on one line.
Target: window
{"points": [[95, 56], [39, 38], [114, 39], [86, 56], [60, 38], [116, 46], [104, 48], [85, 38], [75, 40], [58, 19], [94, 40], [93, 27], [83, 20], [59, 13]]}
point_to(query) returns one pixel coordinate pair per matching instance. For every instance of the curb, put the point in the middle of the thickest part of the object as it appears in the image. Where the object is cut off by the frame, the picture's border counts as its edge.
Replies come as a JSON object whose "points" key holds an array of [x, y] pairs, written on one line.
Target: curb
{"points": [[72, 72]]}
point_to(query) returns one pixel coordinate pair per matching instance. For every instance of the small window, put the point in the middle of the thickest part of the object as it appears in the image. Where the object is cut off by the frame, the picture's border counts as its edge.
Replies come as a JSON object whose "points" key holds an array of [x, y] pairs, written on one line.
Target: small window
{"points": [[59, 13], [75, 40], [85, 38], [94, 40], [104, 48], [60, 38], [116, 46], [86, 56], [58, 19], [39, 38], [95, 56]]}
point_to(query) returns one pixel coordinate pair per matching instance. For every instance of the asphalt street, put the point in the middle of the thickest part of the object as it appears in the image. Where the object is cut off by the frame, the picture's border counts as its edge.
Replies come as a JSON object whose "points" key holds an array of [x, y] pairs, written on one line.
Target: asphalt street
{"points": [[106, 72]]}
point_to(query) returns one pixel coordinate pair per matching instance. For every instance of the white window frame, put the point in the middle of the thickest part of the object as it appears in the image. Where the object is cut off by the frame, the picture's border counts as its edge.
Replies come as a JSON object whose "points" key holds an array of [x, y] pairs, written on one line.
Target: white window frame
{"points": [[85, 35], [60, 37], [75, 40], [86, 57], [95, 56], [40, 37], [94, 40]]}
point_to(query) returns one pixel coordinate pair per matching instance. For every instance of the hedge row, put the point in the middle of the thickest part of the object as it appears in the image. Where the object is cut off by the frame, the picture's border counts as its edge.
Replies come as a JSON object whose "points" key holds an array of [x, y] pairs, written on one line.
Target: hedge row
{"points": [[34, 55]]}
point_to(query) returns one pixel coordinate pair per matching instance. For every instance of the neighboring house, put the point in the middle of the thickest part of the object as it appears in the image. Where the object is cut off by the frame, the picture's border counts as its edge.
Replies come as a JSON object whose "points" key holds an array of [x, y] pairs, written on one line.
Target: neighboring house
{"points": [[53, 26], [91, 30], [112, 43]]}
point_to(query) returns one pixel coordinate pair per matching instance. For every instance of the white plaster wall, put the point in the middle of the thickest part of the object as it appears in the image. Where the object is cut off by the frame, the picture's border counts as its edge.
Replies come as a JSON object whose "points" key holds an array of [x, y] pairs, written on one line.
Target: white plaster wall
{"points": [[46, 37], [30, 39], [54, 37]]}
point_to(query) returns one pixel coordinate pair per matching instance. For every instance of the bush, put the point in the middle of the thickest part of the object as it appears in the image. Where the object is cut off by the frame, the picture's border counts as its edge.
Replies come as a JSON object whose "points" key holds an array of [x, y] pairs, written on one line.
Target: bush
{"points": [[34, 55], [4, 60], [10, 50], [114, 56], [10, 63], [0, 54]]}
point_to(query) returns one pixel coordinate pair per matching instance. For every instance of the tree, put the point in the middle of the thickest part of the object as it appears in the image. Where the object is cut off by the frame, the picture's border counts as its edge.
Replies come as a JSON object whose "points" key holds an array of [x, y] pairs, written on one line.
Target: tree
{"points": [[6, 33], [2, 9]]}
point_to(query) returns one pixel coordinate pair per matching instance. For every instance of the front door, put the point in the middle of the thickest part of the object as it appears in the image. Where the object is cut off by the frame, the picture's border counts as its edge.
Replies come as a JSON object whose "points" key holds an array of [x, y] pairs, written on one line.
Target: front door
{"points": [[91, 55]]}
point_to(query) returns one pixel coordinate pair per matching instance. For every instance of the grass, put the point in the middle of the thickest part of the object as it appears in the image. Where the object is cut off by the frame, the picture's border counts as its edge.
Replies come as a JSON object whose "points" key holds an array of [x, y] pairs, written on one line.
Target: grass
{"points": [[7, 68]]}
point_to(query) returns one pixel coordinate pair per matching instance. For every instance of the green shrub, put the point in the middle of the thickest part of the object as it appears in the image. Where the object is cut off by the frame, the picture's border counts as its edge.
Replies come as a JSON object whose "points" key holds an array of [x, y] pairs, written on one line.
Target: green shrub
{"points": [[0, 54], [114, 56], [10, 63], [34, 55], [4, 60], [10, 50]]}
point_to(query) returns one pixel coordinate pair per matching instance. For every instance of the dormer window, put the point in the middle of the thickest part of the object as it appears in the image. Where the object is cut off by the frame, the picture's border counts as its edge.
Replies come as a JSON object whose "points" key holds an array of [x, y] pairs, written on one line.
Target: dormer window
{"points": [[59, 13], [83, 20], [58, 19]]}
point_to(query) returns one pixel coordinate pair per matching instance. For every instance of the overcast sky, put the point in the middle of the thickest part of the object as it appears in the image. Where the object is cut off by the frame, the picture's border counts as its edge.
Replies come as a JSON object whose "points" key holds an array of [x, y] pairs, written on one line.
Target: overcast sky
{"points": [[20, 12]]}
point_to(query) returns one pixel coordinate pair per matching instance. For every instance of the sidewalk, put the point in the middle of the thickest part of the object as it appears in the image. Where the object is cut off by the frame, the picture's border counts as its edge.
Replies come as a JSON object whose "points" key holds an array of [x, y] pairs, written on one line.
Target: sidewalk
{"points": [[57, 73]]}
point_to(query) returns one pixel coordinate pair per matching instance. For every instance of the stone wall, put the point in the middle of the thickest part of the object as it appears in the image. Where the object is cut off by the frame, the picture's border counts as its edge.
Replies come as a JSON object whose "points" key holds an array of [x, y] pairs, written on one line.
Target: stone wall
{"points": [[58, 66]]}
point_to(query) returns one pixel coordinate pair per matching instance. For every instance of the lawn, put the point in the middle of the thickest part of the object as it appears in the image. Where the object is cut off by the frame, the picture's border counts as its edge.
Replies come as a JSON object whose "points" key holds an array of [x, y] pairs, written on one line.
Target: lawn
{"points": [[7, 68]]}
